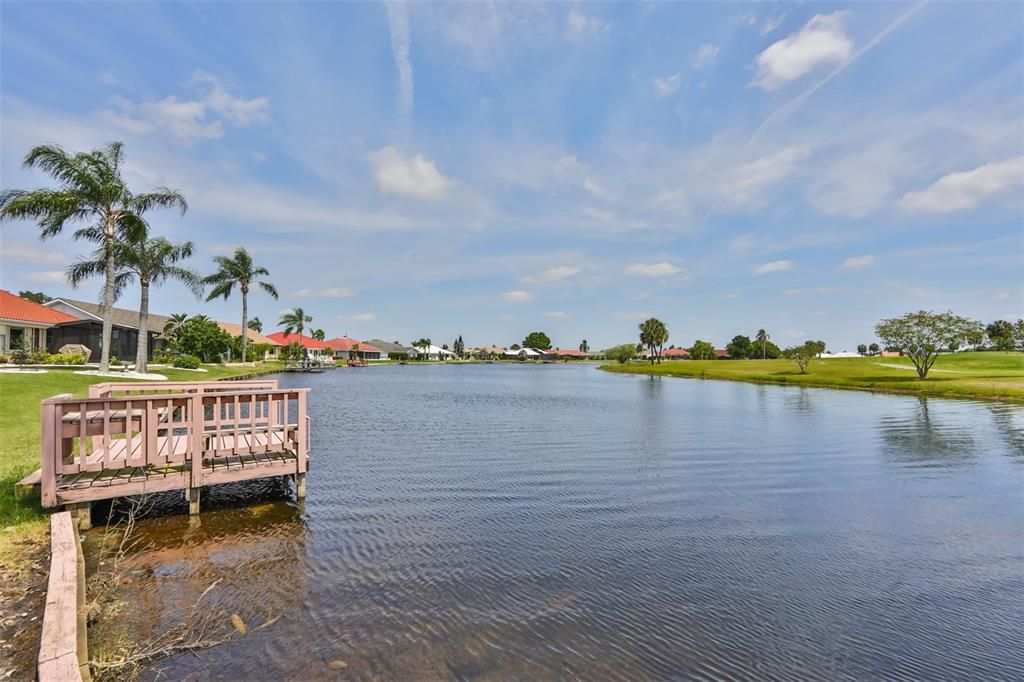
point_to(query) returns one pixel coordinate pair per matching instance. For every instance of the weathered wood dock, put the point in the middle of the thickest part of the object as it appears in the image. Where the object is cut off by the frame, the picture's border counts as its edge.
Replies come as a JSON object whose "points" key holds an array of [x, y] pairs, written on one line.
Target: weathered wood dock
{"points": [[136, 438]]}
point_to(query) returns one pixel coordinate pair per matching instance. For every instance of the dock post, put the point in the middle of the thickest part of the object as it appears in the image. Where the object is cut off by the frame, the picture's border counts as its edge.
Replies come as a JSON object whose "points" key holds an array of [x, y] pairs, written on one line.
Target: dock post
{"points": [[300, 486], [193, 501], [81, 514]]}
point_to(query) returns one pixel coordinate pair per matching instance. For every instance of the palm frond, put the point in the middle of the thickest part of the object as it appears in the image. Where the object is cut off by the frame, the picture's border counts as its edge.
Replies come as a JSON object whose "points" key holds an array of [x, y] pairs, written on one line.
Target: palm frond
{"points": [[161, 197], [269, 288]]}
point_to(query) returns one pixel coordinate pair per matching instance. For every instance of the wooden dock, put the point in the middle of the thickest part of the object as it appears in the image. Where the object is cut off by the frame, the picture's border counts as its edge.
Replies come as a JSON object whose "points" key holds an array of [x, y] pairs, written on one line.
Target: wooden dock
{"points": [[136, 438]]}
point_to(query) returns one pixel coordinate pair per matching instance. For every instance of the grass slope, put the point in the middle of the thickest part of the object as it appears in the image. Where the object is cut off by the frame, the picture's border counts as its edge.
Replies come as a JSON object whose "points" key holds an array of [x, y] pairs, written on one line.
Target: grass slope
{"points": [[985, 376], [20, 396]]}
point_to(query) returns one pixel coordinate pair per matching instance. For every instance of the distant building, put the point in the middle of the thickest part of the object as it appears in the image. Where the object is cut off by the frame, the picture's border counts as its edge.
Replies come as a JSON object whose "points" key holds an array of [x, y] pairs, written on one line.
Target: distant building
{"points": [[388, 349], [315, 350], [431, 352], [675, 354], [347, 348], [566, 354], [721, 353], [21, 319], [235, 330], [523, 354]]}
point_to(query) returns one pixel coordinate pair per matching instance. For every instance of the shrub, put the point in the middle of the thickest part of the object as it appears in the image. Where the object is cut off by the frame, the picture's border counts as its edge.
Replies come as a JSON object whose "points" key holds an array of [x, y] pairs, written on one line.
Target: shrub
{"points": [[186, 362], [162, 357], [65, 359], [3, 359], [116, 361], [39, 357]]}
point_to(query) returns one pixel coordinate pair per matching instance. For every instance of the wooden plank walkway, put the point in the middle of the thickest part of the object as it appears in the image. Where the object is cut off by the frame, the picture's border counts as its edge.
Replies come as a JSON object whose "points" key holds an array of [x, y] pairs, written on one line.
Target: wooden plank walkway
{"points": [[136, 438]]}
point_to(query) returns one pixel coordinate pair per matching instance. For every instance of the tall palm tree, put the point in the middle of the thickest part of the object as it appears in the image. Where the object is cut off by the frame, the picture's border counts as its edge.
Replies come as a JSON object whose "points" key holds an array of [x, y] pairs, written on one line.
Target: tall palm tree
{"points": [[239, 270], [255, 325], [318, 334], [151, 262], [584, 346], [423, 344], [90, 193], [762, 338], [294, 320]]}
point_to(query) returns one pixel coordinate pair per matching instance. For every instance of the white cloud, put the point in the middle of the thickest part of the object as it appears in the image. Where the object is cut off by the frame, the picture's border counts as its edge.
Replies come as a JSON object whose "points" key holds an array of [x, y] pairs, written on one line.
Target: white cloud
{"points": [[188, 119], [578, 26], [774, 266], [666, 85], [330, 292], [596, 190], [31, 254], [705, 56], [748, 180], [557, 315], [412, 176], [517, 297], [361, 317], [559, 272], [772, 24], [662, 269], [854, 262], [821, 41], [966, 189], [47, 277]]}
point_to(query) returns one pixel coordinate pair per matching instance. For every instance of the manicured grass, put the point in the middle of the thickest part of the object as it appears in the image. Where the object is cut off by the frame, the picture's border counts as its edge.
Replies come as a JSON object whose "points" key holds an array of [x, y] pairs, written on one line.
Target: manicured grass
{"points": [[984, 376], [20, 396]]}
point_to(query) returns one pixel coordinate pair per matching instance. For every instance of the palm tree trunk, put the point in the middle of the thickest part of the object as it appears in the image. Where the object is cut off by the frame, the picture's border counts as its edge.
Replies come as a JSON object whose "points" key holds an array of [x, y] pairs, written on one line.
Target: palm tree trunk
{"points": [[142, 353], [108, 300], [245, 321]]}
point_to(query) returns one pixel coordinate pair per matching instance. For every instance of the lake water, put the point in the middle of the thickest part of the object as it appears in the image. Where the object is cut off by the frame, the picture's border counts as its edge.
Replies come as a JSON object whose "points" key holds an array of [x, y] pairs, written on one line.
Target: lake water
{"points": [[557, 522]]}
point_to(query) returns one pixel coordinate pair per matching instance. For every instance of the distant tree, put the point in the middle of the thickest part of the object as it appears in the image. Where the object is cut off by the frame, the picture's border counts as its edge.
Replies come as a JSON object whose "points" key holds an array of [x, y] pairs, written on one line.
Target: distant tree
{"points": [[1018, 334], [459, 346], [802, 355], [921, 336], [423, 345], [740, 347], [622, 353], [862, 349], [172, 328], [150, 262], [653, 336], [294, 320], [318, 334], [91, 194], [874, 349], [702, 350], [1000, 333], [761, 340], [292, 352], [202, 337], [976, 337], [538, 340], [584, 346], [514, 346], [240, 271], [256, 325], [34, 296]]}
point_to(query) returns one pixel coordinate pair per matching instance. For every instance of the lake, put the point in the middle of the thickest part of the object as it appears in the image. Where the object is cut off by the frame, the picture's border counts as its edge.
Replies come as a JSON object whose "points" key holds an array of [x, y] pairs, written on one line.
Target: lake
{"points": [[554, 521]]}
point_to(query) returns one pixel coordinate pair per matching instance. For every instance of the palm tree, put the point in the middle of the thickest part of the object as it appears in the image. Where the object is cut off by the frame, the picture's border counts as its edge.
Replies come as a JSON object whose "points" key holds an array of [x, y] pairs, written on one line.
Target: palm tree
{"points": [[584, 346], [238, 270], [762, 338], [91, 192], [423, 344], [318, 334], [173, 327], [255, 325], [152, 262], [294, 320], [653, 335]]}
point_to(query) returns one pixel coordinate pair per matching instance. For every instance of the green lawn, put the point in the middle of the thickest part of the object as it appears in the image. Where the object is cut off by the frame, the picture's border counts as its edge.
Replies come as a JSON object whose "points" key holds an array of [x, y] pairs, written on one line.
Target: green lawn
{"points": [[20, 429], [985, 376]]}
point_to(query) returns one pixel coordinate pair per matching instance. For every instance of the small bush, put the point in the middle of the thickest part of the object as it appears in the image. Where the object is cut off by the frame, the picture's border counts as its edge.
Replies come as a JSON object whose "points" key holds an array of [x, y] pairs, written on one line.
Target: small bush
{"points": [[65, 359], [4, 359], [39, 357], [186, 362], [116, 362], [162, 357]]}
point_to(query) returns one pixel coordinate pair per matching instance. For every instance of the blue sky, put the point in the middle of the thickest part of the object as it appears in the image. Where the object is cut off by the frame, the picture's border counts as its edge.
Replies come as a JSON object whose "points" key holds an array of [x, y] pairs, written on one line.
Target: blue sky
{"points": [[432, 169]]}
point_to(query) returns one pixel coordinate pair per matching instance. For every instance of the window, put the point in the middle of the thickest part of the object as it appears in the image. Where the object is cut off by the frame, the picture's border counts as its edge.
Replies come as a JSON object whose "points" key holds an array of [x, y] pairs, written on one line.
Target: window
{"points": [[17, 334]]}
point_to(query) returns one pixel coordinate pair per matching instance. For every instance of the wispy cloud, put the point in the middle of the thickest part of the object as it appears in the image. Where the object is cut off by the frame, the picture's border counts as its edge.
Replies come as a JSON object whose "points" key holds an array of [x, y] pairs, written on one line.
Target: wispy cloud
{"points": [[329, 292], [557, 315], [361, 317], [555, 274], [579, 26], [411, 176], [666, 85], [663, 269], [964, 190], [517, 297], [705, 56], [856, 262], [401, 43], [774, 266], [821, 41]]}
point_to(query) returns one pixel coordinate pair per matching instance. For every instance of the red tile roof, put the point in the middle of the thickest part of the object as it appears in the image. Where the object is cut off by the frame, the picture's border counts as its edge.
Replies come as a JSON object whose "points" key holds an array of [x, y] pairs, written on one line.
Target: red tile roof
{"points": [[570, 353], [721, 352], [17, 308], [306, 341], [345, 343], [675, 353]]}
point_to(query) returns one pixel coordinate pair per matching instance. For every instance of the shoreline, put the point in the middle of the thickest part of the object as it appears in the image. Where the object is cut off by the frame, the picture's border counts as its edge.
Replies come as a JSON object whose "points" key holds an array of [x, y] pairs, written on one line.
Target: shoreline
{"points": [[683, 369]]}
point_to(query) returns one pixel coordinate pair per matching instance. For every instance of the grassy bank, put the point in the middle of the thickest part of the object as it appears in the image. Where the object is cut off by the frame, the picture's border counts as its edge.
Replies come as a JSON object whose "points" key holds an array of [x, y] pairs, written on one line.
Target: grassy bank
{"points": [[20, 432], [982, 376]]}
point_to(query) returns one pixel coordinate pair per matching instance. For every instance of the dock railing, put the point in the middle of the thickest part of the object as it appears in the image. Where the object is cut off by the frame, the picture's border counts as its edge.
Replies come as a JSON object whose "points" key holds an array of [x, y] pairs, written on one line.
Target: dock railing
{"points": [[126, 439]]}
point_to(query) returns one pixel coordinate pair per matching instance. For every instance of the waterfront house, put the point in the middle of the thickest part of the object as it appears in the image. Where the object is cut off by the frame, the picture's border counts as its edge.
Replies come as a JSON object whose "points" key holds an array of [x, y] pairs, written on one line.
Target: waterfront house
{"points": [[721, 353], [432, 352], [675, 354], [315, 350], [565, 354], [487, 352], [87, 329], [235, 330], [346, 348], [388, 349], [21, 319], [522, 354]]}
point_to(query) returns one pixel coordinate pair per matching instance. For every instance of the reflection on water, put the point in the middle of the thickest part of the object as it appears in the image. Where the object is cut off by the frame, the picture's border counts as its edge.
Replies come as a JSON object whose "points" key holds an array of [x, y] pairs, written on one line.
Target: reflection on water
{"points": [[540, 522]]}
